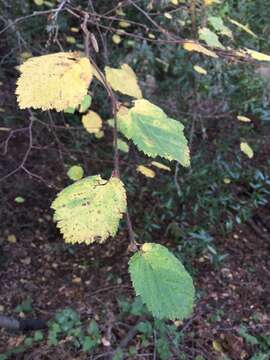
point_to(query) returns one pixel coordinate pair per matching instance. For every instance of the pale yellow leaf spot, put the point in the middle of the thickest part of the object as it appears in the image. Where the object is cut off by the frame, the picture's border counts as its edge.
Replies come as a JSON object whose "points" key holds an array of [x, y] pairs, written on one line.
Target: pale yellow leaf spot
{"points": [[243, 118], [160, 166], [258, 55], [246, 149], [116, 39], [227, 181], [123, 80], [192, 46], [92, 122], [146, 171], [199, 69], [243, 27], [56, 81]]}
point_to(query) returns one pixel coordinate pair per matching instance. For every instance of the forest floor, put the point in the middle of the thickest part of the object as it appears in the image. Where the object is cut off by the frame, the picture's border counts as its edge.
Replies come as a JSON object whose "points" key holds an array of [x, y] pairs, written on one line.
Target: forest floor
{"points": [[36, 265]]}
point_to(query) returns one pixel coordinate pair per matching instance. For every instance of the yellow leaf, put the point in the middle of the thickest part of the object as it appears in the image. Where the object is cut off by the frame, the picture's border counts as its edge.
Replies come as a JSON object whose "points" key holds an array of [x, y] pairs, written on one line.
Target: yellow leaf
{"points": [[12, 239], [174, 2], [243, 118], [99, 134], [75, 172], [246, 149], [92, 122], [124, 24], [192, 46], [116, 39], [168, 15], [74, 29], [26, 55], [199, 69], [56, 81], [210, 2], [90, 209], [71, 39], [146, 171], [227, 181], [123, 80], [258, 55], [243, 27], [160, 166], [216, 346], [38, 2]]}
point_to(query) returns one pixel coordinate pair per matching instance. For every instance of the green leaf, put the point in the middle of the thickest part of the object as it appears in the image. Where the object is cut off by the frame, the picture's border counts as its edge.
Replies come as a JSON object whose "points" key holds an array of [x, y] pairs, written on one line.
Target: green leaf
{"points": [[70, 110], [75, 172], [218, 25], [122, 145], [85, 104], [210, 38], [162, 282], [19, 199], [123, 80], [90, 209], [153, 132]]}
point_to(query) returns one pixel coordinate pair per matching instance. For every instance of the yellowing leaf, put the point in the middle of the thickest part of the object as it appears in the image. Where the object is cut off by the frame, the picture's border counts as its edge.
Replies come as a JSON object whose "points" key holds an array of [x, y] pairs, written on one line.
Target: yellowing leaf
{"points": [[199, 69], [90, 209], [227, 181], [174, 2], [243, 118], [246, 149], [92, 122], [192, 46], [75, 172], [210, 38], [116, 39], [258, 55], [56, 81], [123, 80], [160, 166], [243, 27], [146, 171]]}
